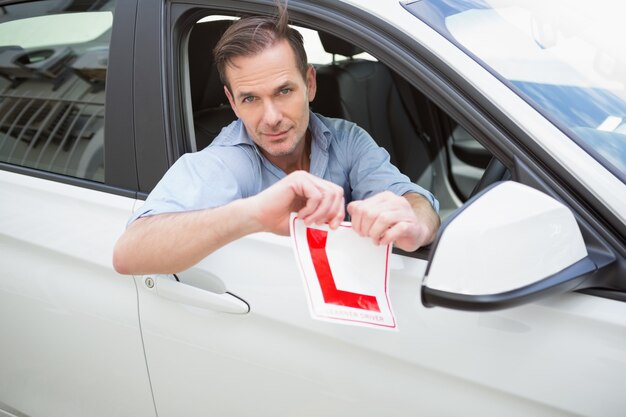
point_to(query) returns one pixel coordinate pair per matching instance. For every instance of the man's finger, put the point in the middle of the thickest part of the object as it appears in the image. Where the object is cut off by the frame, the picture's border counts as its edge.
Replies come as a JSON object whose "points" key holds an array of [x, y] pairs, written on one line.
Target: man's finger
{"points": [[321, 212], [355, 211], [320, 198], [313, 195], [339, 209]]}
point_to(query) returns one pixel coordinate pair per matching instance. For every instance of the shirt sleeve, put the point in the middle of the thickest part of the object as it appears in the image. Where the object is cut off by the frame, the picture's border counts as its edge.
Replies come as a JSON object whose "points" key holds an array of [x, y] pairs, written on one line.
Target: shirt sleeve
{"points": [[372, 172], [196, 181]]}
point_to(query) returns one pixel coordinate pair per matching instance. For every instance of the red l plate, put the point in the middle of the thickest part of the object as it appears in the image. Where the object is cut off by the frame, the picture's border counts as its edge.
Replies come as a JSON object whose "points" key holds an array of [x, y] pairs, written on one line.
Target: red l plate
{"points": [[317, 245]]}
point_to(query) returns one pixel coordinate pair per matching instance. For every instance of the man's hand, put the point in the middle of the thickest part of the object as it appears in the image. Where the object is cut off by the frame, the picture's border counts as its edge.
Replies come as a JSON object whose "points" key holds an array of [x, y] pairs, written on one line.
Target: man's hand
{"points": [[316, 201], [408, 221]]}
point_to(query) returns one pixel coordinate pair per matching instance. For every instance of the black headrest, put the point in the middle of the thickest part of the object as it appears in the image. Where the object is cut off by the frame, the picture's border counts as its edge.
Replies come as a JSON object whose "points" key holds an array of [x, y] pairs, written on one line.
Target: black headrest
{"points": [[335, 45], [206, 88]]}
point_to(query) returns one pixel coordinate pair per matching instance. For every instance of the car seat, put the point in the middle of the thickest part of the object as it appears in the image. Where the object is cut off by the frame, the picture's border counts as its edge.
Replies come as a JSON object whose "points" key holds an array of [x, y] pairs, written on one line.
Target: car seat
{"points": [[211, 110], [367, 93]]}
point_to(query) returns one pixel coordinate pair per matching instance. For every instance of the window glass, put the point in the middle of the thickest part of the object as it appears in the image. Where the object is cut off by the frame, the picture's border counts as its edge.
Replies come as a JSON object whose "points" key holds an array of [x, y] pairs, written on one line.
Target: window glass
{"points": [[53, 64], [565, 57], [56, 29]]}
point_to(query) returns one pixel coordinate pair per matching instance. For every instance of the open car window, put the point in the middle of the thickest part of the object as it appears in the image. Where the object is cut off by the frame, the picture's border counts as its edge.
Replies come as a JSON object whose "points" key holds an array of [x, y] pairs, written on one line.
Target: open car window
{"points": [[422, 140]]}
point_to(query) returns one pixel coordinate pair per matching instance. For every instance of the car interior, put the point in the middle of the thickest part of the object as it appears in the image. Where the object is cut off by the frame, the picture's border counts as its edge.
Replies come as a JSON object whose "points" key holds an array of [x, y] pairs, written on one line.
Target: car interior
{"points": [[422, 140]]}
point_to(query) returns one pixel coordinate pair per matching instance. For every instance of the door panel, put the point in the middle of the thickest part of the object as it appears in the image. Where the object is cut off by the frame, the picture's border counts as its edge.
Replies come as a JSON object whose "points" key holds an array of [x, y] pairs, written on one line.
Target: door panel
{"points": [[71, 344], [541, 359]]}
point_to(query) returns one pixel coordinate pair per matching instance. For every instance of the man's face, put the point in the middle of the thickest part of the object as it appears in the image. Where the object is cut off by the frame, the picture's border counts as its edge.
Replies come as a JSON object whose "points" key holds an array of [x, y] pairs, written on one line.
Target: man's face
{"points": [[272, 99]]}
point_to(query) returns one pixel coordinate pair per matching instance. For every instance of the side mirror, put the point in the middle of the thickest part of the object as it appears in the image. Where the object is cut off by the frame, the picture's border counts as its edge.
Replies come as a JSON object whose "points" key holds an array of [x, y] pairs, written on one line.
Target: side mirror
{"points": [[507, 246]]}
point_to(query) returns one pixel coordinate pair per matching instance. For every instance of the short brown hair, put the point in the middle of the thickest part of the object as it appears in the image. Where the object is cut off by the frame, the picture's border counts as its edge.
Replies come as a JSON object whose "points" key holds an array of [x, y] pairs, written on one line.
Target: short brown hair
{"points": [[252, 35]]}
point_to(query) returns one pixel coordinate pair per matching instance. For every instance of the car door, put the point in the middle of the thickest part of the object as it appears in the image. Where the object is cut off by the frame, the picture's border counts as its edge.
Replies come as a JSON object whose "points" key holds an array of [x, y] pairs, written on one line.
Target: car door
{"points": [[70, 344], [233, 335]]}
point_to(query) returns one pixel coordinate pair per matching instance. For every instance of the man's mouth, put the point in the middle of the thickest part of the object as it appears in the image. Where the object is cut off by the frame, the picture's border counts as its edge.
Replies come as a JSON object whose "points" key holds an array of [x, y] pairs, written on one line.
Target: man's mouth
{"points": [[275, 135]]}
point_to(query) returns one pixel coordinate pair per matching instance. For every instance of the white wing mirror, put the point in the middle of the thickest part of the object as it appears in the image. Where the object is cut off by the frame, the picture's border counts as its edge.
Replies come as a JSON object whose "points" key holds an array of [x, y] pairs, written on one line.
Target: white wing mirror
{"points": [[509, 245]]}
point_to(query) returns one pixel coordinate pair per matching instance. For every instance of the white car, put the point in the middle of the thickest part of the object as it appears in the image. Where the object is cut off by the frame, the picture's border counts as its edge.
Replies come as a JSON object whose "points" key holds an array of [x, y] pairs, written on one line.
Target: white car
{"points": [[512, 112]]}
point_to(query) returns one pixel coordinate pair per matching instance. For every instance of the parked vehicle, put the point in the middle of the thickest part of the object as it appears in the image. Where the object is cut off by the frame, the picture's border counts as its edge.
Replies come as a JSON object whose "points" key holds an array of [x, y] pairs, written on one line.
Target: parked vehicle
{"points": [[513, 113]]}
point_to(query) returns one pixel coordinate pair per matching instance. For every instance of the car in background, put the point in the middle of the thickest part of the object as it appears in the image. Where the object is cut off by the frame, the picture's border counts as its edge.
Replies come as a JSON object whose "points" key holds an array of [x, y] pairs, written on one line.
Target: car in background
{"points": [[513, 113]]}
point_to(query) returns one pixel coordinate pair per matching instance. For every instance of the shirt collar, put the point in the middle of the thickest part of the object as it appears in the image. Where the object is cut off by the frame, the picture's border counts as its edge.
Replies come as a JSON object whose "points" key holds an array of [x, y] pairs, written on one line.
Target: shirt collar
{"points": [[319, 132]]}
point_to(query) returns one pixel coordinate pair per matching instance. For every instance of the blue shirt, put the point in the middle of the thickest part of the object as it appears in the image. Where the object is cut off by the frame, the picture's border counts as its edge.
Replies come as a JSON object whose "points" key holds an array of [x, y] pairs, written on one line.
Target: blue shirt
{"points": [[232, 167]]}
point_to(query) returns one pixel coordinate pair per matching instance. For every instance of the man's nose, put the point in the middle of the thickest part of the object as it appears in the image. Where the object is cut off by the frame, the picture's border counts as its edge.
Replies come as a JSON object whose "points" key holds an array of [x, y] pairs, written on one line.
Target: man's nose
{"points": [[272, 114]]}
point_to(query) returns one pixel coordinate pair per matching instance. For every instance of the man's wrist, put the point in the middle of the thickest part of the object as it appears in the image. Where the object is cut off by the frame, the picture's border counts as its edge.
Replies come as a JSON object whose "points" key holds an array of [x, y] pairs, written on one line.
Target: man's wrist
{"points": [[245, 212], [424, 210]]}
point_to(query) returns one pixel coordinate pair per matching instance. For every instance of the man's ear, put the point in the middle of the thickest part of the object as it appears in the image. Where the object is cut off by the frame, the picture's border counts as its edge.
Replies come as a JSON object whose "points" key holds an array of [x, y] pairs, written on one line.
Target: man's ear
{"points": [[231, 100], [311, 82]]}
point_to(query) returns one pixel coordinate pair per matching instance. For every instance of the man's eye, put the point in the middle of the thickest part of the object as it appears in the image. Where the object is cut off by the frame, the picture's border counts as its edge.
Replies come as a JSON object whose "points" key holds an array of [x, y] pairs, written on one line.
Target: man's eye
{"points": [[284, 91], [248, 99]]}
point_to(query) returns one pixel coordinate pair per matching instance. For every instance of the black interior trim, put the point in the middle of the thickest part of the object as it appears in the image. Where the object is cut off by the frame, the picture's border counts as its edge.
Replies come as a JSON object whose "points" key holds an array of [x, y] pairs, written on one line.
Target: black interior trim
{"points": [[471, 153], [494, 172]]}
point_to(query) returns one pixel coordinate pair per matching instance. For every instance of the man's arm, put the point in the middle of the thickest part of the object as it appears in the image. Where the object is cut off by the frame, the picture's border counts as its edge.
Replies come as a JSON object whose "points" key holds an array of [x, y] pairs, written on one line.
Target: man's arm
{"points": [[408, 221], [169, 243]]}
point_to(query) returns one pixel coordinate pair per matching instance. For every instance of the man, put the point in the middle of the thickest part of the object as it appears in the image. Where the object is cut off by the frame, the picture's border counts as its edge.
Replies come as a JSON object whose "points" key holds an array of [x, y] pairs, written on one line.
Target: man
{"points": [[277, 158]]}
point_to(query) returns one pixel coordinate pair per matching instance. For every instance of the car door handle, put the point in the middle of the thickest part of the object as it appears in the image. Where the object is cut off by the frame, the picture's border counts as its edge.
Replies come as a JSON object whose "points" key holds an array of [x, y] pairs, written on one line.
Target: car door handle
{"points": [[187, 294]]}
